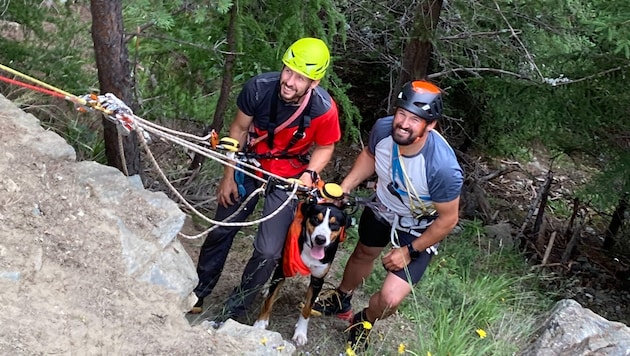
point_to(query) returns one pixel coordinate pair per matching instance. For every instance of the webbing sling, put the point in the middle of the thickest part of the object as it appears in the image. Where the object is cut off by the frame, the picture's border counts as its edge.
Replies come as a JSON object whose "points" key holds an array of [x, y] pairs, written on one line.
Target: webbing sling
{"points": [[398, 171], [273, 114]]}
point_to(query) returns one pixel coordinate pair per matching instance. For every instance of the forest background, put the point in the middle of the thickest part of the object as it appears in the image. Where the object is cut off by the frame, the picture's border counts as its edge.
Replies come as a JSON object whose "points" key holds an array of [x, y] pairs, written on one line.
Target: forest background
{"points": [[518, 76]]}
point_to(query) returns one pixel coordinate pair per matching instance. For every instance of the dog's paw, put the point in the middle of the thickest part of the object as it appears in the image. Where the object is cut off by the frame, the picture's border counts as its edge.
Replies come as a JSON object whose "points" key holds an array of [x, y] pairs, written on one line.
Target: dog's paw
{"points": [[299, 338], [301, 327], [261, 324]]}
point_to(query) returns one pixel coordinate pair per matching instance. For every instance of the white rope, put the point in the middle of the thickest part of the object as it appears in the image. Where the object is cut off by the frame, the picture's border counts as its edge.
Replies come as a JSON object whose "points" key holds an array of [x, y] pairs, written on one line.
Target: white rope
{"points": [[290, 196], [206, 152], [213, 155], [122, 115], [147, 123], [121, 149], [393, 234], [217, 156]]}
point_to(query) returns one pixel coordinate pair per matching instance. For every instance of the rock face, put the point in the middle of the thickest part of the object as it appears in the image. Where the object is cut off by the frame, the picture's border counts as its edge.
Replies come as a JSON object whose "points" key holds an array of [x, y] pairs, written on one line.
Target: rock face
{"points": [[573, 331], [89, 260]]}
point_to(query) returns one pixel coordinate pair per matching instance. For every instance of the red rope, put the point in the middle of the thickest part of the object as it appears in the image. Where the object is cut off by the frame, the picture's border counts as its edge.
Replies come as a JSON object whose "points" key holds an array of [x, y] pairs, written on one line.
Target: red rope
{"points": [[30, 86]]}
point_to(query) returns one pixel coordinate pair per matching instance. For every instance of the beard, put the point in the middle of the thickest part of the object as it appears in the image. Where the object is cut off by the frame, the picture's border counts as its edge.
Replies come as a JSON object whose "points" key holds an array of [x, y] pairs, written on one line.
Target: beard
{"points": [[404, 137], [290, 94]]}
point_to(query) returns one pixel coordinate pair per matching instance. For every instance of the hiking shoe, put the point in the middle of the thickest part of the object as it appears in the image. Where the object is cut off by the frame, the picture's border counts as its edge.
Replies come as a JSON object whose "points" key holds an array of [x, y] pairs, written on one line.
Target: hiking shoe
{"points": [[333, 302], [358, 332], [198, 307]]}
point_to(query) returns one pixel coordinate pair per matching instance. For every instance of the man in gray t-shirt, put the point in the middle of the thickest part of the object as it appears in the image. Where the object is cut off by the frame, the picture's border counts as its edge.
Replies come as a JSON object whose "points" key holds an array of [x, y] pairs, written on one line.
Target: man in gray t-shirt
{"points": [[416, 206]]}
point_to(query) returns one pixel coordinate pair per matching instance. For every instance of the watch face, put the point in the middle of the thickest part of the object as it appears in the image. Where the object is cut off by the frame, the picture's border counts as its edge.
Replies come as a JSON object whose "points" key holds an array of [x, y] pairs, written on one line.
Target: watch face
{"points": [[413, 253]]}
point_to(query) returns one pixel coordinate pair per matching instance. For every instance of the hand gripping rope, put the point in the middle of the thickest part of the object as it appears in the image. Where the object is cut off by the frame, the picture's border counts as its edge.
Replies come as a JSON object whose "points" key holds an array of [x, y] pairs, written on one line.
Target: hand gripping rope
{"points": [[224, 150]]}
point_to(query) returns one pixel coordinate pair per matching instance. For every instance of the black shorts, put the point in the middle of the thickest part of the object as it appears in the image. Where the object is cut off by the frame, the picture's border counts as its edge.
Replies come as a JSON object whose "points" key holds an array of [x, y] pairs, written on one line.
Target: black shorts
{"points": [[374, 232]]}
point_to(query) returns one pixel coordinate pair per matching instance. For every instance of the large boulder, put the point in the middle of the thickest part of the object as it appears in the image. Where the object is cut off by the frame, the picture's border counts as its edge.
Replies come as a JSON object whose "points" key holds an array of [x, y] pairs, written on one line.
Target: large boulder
{"points": [[571, 330], [90, 263]]}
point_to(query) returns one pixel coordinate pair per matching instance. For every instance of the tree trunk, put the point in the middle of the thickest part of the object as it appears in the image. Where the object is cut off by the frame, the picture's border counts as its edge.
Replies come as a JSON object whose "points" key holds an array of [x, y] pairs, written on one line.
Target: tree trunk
{"points": [[417, 54], [112, 62], [226, 87], [615, 223]]}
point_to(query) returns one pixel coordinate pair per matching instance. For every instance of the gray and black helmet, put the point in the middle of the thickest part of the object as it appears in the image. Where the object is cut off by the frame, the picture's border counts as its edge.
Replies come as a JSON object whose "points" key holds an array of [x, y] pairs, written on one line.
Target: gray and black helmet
{"points": [[421, 98]]}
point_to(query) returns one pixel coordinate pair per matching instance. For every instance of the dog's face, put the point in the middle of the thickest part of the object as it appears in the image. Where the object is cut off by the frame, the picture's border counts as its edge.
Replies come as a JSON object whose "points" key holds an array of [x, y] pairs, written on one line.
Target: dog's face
{"points": [[324, 224]]}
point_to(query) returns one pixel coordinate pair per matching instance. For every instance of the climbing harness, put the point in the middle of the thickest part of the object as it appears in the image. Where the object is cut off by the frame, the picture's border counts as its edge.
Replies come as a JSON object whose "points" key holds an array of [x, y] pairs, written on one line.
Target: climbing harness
{"points": [[302, 113], [422, 223], [225, 150]]}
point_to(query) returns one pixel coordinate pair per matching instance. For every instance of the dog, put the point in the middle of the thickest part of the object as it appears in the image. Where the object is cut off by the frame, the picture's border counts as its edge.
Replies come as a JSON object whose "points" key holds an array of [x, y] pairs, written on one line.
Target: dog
{"points": [[321, 230]]}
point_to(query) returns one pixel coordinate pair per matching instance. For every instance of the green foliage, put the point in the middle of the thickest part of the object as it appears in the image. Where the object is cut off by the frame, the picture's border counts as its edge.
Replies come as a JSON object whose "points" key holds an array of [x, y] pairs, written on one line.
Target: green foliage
{"points": [[610, 185], [51, 44], [86, 140], [467, 292], [178, 61], [181, 58], [562, 81]]}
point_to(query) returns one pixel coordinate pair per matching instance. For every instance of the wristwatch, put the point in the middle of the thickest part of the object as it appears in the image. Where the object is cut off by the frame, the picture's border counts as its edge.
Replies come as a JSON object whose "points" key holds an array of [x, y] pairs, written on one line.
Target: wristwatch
{"points": [[312, 173], [413, 253]]}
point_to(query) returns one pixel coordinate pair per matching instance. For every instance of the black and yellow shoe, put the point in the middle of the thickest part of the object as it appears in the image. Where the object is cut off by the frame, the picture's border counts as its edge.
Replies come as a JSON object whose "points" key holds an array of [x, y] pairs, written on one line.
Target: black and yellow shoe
{"points": [[358, 332], [333, 302]]}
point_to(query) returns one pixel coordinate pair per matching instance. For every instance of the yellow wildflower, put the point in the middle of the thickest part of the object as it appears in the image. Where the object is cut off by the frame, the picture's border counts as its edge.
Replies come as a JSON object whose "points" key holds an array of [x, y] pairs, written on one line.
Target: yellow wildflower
{"points": [[401, 348], [482, 333], [263, 341], [366, 325], [429, 353], [350, 351]]}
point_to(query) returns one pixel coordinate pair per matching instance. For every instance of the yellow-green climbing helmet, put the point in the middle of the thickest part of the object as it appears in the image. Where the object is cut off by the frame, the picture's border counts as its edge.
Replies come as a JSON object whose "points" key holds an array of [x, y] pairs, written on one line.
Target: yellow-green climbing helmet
{"points": [[309, 57]]}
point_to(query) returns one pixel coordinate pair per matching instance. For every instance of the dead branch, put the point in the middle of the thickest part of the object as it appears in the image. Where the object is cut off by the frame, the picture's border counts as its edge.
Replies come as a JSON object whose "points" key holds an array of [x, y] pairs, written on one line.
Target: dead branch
{"points": [[576, 208], [474, 72], [515, 35], [532, 209], [467, 35], [569, 81], [544, 194], [557, 264], [498, 173], [549, 247], [568, 251]]}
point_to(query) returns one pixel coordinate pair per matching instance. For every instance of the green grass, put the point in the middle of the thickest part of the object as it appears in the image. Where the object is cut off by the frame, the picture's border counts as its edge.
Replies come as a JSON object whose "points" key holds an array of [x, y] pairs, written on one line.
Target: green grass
{"points": [[467, 291]]}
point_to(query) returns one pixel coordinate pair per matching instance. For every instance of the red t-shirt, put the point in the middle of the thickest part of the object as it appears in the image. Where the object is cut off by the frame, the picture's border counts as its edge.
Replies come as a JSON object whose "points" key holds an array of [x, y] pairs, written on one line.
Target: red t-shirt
{"points": [[255, 100]]}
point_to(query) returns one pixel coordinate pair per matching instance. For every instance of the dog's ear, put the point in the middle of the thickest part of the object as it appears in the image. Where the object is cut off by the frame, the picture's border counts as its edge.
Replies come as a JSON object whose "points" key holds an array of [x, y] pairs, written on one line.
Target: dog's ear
{"points": [[345, 217], [306, 207]]}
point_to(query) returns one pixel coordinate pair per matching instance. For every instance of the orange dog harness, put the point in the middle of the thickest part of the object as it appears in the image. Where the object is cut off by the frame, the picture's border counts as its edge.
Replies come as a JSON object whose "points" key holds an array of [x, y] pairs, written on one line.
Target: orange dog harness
{"points": [[292, 263]]}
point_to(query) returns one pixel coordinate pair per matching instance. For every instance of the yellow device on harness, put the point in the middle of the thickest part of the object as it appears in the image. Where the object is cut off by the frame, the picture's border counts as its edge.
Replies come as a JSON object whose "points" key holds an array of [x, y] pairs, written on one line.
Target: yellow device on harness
{"points": [[229, 144]]}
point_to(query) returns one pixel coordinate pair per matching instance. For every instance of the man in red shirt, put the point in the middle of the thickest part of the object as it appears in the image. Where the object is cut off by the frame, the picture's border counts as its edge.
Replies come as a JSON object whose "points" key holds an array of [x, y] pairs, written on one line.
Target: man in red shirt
{"points": [[299, 149]]}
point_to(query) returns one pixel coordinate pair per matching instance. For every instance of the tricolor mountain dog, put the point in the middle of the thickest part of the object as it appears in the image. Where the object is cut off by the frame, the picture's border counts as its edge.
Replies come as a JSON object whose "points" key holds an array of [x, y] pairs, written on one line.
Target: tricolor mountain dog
{"points": [[320, 231]]}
